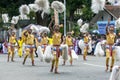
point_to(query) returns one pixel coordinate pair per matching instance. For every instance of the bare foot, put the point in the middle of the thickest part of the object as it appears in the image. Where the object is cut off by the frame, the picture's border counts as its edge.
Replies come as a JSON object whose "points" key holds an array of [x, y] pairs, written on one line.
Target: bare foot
{"points": [[106, 69]]}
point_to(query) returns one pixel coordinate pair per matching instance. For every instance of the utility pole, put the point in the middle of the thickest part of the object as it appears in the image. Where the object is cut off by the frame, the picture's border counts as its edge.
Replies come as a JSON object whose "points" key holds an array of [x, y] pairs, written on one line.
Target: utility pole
{"points": [[65, 18]]}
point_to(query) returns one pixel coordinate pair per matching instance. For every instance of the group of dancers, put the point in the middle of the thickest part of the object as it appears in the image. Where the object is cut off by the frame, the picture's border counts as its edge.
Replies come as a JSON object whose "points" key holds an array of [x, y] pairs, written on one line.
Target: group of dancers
{"points": [[31, 44], [60, 46]]}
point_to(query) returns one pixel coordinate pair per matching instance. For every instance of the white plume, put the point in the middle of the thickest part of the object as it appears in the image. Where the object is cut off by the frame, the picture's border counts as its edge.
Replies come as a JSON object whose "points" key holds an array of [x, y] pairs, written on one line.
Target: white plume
{"points": [[40, 53], [102, 4], [48, 56], [115, 75], [24, 10], [5, 18], [84, 28], [42, 4], [34, 28], [117, 49], [15, 19], [97, 5], [33, 7], [79, 22], [117, 23], [44, 29], [95, 8], [58, 6], [98, 50], [81, 45], [64, 51], [90, 46], [22, 17], [74, 55]]}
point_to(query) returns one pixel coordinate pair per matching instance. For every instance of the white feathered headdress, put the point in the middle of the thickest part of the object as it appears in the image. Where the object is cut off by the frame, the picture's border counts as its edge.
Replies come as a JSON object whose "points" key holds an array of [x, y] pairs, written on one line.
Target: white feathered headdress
{"points": [[97, 5], [24, 10], [117, 23], [84, 28], [5, 18], [58, 6], [43, 5], [34, 28], [44, 29], [33, 7], [15, 19], [79, 22]]}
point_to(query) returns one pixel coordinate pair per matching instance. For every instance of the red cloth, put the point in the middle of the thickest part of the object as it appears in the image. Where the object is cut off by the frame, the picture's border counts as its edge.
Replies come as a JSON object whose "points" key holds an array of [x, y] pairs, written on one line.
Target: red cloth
{"points": [[69, 50], [110, 50]]}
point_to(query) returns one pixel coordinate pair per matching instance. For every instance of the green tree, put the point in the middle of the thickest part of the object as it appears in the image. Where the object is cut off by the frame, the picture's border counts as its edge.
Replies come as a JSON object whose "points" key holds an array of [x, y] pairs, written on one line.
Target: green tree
{"points": [[12, 8], [73, 5]]}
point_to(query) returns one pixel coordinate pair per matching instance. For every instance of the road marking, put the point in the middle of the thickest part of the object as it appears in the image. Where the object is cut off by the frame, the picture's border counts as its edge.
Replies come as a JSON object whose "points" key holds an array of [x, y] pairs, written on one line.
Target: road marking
{"points": [[93, 65]]}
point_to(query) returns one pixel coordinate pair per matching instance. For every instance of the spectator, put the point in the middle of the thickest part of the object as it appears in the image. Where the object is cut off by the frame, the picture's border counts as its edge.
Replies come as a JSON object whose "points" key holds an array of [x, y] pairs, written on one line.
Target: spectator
{"points": [[4, 47], [0, 47]]}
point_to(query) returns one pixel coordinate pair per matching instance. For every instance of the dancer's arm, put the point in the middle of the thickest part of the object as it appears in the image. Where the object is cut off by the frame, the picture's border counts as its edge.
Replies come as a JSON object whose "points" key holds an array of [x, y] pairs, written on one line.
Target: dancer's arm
{"points": [[107, 29]]}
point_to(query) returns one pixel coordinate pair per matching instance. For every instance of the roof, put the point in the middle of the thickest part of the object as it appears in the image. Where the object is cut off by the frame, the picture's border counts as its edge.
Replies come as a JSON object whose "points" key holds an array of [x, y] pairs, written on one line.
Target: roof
{"points": [[110, 9], [113, 10]]}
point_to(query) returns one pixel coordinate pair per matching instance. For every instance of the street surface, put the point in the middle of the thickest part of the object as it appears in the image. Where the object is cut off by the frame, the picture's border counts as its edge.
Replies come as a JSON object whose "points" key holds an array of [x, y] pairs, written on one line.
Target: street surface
{"points": [[92, 69]]}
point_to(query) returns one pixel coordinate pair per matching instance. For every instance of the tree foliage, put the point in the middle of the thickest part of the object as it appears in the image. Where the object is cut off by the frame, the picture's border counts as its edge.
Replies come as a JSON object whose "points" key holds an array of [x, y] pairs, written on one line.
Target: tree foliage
{"points": [[73, 5], [12, 6]]}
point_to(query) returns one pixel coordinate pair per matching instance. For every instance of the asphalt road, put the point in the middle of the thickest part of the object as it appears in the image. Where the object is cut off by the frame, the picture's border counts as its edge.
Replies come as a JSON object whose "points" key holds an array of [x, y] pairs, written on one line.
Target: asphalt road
{"points": [[92, 69]]}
